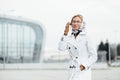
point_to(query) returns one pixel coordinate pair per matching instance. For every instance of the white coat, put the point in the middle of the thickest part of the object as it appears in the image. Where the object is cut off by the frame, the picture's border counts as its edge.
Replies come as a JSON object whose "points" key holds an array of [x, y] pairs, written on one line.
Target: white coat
{"points": [[81, 51]]}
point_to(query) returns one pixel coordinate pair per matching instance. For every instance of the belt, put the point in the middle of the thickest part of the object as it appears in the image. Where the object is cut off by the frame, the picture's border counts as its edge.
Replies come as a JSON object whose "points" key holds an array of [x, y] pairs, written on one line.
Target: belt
{"points": [[73, 66]]}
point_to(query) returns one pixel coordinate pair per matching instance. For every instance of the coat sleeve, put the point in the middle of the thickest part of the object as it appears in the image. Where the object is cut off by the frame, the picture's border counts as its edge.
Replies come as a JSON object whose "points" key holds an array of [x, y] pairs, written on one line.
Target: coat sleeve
{"points": [[63, 43], [92, 53]]}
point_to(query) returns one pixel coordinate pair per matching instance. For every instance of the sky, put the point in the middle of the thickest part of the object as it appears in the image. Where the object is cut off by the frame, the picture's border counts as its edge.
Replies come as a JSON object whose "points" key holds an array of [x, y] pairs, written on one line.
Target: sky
{"points": [[101, 16]]}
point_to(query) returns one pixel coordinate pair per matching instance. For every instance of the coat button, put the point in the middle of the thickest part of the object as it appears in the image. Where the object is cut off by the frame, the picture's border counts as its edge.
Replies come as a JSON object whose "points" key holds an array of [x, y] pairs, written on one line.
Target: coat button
{"points": [[76, 57], [69, 48]]}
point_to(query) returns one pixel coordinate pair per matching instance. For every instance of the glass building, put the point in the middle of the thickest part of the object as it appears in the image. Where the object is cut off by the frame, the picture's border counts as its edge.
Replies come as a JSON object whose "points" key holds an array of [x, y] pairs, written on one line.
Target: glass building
{"points": [[21, 40]]}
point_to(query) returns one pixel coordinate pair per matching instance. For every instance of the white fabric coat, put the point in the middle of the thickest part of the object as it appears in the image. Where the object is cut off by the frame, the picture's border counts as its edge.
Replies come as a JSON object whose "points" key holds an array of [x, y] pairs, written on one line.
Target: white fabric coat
{"points": [[81, 51]]}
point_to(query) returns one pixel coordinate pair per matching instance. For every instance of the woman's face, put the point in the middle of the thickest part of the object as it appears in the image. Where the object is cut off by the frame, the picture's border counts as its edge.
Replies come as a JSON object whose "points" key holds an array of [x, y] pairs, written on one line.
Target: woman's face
{"points": [[76, 23]]}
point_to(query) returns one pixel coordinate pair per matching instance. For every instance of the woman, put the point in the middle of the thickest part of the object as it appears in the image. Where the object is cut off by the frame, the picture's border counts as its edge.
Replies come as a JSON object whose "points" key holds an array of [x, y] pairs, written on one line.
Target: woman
{"points": [[81, 50]]}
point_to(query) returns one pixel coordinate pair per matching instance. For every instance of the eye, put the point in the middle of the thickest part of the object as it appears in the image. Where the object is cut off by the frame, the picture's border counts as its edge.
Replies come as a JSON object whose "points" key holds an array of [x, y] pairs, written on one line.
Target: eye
{"points": [[76, 22]]}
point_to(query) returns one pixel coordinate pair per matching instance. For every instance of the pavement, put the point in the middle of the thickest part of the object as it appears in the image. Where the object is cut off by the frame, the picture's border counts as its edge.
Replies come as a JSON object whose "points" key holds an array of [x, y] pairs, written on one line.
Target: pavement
{"points": [[99, 72]]}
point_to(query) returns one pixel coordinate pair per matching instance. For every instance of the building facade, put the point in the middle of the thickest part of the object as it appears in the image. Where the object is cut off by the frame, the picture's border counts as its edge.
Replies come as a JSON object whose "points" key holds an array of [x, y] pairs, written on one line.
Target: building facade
{"points": [[21, 41]]}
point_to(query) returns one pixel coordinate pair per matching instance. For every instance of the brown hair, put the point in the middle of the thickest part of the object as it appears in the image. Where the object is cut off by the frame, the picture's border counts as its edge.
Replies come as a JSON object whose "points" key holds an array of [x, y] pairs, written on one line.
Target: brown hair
{"points": [[78, 15]]}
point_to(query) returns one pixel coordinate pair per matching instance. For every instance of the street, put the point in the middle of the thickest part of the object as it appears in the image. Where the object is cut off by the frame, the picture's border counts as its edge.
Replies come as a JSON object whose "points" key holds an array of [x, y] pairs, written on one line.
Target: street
{"points": [[111, 73]]}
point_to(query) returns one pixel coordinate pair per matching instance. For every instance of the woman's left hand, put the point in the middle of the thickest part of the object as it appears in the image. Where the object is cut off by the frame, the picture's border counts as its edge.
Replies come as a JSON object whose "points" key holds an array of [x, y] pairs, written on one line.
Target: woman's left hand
{"points": [[82, 67]]}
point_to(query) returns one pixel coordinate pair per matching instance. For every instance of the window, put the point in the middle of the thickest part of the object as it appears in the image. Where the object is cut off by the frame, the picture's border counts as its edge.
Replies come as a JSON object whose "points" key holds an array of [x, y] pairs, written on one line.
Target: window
{"points": [[20, 41]]}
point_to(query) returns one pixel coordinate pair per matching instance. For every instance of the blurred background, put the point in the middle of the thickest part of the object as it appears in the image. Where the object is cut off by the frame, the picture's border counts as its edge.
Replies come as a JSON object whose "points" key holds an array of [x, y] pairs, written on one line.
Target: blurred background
{"points": [[30, 31]]}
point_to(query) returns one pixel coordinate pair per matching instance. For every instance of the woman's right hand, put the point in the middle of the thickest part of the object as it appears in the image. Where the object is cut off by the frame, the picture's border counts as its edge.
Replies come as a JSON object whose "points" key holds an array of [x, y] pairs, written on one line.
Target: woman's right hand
{"points": [[66, 28]]}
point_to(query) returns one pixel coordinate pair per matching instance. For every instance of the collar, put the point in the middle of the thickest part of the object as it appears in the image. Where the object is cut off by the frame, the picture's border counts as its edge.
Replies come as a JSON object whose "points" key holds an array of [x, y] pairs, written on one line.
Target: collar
{"points": [[79, 32]]}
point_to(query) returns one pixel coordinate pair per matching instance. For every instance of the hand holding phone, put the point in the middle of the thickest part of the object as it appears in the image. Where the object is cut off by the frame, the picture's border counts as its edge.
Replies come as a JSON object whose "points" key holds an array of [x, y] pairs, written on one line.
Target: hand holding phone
{"points": [[67, 28]]}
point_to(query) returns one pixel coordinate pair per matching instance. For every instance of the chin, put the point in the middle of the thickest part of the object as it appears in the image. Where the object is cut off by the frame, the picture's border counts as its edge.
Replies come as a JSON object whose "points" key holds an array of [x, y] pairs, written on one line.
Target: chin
{"points": [[75, 29]]}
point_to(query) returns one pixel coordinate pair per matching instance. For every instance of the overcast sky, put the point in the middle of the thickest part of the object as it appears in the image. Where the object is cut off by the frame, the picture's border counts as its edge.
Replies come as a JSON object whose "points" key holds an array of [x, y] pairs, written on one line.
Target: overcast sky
{"points": [[101, 16]]}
